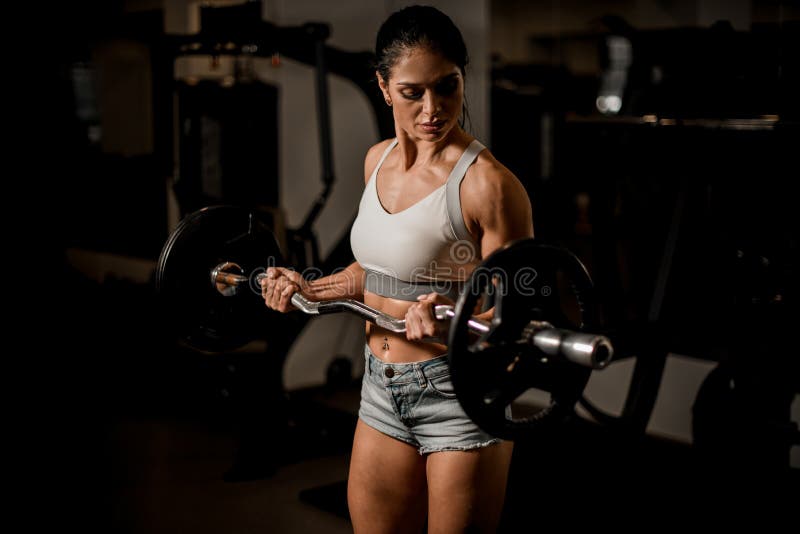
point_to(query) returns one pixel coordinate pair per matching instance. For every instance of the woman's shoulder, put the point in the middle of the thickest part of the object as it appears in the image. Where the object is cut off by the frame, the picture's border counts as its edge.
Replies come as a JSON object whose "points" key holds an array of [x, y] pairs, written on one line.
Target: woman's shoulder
{"points": [[494, 201], [490, 189], [487, 174], [374, 156]]}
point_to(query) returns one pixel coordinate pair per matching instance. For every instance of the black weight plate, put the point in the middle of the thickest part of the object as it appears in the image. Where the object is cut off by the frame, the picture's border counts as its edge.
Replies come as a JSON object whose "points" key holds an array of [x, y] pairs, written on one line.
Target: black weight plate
{"points": [[530, 281], [195, 311]]}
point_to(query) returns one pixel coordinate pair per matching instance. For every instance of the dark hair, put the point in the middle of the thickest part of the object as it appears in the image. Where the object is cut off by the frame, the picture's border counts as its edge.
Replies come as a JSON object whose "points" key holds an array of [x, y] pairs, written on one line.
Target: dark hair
{"points": [[418, 26]]}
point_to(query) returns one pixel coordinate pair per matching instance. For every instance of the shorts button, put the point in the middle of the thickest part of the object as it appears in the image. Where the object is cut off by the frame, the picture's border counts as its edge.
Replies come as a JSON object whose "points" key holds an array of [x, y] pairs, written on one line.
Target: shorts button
{"points": [[389, 372]]}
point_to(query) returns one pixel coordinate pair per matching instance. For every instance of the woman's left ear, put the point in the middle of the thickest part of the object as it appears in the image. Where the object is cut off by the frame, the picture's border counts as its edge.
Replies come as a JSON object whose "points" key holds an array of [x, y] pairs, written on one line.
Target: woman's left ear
{"points": [[384, 88]]}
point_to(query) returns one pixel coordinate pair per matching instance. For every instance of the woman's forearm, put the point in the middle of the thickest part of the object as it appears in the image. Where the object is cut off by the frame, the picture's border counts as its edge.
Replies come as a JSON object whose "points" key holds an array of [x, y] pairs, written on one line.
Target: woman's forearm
{"points": [[345, 284]]}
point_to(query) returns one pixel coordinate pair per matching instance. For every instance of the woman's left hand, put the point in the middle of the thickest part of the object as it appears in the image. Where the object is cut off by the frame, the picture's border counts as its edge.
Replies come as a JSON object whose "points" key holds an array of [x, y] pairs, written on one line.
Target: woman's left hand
{"points": [[421, 322]]}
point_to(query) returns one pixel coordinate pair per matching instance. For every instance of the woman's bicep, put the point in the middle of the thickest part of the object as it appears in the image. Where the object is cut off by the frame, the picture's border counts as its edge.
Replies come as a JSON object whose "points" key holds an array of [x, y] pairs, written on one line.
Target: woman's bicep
{"points": [[506, 215]]}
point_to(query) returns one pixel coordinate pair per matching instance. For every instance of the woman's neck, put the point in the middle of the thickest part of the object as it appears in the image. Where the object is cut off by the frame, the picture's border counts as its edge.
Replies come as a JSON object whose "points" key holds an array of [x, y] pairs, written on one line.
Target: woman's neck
{"points": [[416, 152]]}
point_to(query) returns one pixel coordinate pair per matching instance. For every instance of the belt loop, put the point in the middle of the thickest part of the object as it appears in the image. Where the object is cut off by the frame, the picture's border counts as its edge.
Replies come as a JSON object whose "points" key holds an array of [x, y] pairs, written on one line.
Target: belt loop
{"points": [[420, 375]]}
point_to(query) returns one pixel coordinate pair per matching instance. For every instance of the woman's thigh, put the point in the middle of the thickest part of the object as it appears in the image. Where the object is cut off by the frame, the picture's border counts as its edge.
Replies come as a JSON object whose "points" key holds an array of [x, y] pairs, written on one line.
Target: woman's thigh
{"points": [[466, 489], [386, 488]]}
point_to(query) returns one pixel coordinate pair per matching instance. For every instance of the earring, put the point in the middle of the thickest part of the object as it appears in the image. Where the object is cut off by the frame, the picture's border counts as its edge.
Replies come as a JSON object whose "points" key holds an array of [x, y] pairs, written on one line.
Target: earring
{"points": [[389, 102]]}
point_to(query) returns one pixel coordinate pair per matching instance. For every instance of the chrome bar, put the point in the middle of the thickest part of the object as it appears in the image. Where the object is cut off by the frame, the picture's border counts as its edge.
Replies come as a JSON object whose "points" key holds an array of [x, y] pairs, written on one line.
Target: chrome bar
{"points": [[588, 350]]}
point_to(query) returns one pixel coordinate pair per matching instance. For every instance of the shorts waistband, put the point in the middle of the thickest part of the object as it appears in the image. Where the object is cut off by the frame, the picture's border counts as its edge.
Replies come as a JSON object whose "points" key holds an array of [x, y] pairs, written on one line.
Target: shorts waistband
{"points": [[405, 373]]}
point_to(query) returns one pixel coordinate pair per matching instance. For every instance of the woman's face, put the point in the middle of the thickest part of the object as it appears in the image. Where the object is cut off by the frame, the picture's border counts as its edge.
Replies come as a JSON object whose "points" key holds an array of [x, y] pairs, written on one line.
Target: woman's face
{"points": [[426, 91]]}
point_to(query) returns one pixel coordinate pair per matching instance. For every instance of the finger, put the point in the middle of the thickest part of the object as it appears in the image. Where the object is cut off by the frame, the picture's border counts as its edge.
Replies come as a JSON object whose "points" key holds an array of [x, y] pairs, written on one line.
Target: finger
{"points": [[412, 332], [270, 293], [285, 297], [295, 277], [410, 324], [437, 298], [270, 288], [430, 327], [280, 285], [291, 274], [266, 289], [270, 284], [428, 324], [425, 306], [425, 320], [417, 321], [275, 297]]}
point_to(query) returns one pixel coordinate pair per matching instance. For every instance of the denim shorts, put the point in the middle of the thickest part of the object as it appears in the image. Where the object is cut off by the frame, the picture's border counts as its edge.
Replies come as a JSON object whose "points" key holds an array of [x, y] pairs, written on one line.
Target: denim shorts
{"points": [[415, 403]]}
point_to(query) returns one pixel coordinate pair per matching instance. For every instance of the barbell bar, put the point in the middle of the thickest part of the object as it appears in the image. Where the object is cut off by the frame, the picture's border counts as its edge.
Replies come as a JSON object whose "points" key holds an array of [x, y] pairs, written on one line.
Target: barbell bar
{"points": [[585, 349]]}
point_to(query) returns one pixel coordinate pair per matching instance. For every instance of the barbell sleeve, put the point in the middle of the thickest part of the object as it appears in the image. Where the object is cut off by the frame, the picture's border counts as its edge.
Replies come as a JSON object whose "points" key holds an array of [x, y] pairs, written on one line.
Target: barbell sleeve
{"points": [[588, 350], [229, 279]]}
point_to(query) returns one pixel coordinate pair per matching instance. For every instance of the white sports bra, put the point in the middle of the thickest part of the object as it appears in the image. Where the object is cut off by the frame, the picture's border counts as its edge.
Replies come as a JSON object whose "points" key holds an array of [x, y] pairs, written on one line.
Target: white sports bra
{"points": [[422, 249]]}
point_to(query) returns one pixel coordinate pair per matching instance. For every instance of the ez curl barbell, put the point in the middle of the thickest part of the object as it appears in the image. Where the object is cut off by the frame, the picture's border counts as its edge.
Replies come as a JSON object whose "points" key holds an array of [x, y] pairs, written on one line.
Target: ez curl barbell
{"points": [[536, 339], [588, 350]]}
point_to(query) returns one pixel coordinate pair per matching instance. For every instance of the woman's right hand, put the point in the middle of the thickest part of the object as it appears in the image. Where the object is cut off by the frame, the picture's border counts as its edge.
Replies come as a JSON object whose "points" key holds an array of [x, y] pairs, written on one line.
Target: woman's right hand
{"points": [[278, 286]]}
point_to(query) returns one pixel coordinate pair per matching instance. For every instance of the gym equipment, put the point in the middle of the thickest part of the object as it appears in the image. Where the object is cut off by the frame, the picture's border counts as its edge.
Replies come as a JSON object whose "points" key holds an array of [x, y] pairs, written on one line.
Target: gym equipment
{"points": [[209, 276], [524, 349], [195, 311]]}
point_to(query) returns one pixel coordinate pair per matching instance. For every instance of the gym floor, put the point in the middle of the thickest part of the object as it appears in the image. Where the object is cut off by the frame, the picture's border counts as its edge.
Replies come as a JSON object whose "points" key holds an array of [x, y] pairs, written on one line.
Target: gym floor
{"points": [[157, 474], [169, 478], [166, 476]]}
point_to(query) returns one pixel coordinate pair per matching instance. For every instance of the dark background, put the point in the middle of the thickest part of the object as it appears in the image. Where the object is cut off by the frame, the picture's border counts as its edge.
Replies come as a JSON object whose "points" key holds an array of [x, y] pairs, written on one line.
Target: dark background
{"points": [[690, 183]]}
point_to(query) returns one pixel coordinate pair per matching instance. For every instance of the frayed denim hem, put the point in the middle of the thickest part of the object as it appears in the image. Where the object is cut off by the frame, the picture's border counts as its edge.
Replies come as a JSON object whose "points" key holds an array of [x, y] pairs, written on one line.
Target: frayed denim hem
{"points": [[428, 450]]}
